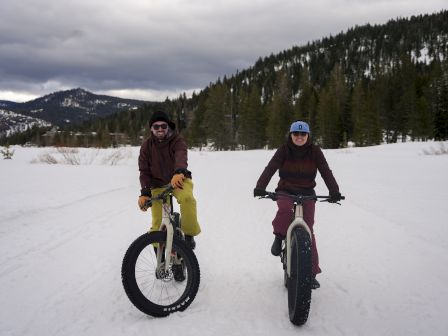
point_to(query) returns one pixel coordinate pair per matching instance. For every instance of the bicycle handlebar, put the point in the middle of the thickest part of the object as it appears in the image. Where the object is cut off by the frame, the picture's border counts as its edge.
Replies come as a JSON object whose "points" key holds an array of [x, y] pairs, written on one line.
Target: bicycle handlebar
{"points": [[168, 189], [299, 198]]}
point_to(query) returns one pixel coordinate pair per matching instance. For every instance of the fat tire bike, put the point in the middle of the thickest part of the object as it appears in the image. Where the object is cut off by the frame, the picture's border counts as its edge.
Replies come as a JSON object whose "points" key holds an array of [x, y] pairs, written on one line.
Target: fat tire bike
{"points": [[297, 259], [160, 272]]}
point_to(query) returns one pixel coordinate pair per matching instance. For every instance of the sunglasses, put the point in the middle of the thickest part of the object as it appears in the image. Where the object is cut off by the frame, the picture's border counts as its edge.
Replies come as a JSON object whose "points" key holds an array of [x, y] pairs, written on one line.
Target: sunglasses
{"points": [[157, 126], [299, 134]]}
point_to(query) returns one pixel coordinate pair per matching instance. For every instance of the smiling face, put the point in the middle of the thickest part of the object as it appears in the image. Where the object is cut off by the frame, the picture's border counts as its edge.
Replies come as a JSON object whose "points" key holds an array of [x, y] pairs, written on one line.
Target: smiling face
{"points": [[299, 138], [159, 129]]}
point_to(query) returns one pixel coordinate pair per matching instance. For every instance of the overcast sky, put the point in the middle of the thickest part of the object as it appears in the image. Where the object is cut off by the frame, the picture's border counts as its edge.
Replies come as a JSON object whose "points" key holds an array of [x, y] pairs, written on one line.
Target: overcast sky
{"points": [[151, 49]]}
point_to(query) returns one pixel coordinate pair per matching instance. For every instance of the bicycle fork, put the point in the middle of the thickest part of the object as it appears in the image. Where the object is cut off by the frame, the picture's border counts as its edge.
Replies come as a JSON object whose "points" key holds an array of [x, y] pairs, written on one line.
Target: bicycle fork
{"points": [[168, 227], [297, 222]]}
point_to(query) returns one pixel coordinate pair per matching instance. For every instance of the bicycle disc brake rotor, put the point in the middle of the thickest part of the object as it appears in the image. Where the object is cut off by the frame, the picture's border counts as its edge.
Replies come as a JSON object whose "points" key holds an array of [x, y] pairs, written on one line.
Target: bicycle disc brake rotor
{"points": [[162, 274]]}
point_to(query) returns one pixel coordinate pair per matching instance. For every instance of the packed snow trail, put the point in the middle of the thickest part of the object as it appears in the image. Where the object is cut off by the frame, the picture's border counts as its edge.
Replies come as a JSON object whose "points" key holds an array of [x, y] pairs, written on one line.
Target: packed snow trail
{"points": [[64, 231]]}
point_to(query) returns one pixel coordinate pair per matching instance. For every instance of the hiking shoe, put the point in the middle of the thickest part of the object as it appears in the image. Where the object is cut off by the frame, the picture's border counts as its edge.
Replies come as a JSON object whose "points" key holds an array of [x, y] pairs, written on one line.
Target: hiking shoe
{"points": [[178, 272], [189, 240], [276, 248], [315, 284]]}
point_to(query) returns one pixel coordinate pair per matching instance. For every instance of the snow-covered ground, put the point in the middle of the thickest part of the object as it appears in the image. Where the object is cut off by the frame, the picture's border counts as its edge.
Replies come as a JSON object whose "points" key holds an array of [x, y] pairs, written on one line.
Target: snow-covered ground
{"points": [[64, 230]]}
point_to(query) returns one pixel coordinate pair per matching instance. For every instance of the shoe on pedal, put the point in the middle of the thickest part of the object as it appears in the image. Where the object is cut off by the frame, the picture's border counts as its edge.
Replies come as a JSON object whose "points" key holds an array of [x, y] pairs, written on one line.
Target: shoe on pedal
{"points": [[314, 283], [276, 248], [189, 240], [178, 272]]}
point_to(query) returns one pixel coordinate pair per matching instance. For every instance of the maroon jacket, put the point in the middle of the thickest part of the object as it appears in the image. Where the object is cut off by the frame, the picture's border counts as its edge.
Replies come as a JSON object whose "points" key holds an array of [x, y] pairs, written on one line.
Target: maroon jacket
{"points": [[298, 166], [160, 160]]}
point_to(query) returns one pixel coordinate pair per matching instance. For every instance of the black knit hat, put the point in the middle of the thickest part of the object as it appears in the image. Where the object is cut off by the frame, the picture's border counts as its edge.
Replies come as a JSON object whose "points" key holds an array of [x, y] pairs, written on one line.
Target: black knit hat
{"points": [[161, 116]]}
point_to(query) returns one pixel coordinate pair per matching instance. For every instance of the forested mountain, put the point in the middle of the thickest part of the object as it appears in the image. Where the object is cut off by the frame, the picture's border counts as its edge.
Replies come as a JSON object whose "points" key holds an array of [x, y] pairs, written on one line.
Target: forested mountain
{"points": [[24, 122], [73, 106], [370, 84], [6, 104]]}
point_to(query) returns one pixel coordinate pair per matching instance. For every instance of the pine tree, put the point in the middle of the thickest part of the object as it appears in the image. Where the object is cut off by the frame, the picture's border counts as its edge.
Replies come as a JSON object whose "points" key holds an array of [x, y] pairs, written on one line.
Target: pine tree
{"points": [[359, 115], [366, 123], [332, 102], [280, 111], [252, 121], [373, 130], [419, 122], [405, 107], [104, 139], [306, 104], [441, 107], [196, 134], [217, 118]]}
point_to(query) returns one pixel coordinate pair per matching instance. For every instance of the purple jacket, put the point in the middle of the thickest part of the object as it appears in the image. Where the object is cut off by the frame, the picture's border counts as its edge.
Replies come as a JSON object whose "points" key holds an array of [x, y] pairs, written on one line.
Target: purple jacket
{"points": [[297, 167]]}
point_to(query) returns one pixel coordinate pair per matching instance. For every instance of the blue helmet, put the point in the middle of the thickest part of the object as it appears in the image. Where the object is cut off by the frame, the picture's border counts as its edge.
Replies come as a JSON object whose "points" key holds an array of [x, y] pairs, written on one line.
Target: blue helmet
{"points": [[299, 126]]}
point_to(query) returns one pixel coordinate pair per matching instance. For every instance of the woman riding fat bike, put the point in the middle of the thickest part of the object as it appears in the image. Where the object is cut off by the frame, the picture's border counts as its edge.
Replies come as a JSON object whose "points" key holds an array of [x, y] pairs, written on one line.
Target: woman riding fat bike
{"points": [[297, 162]]}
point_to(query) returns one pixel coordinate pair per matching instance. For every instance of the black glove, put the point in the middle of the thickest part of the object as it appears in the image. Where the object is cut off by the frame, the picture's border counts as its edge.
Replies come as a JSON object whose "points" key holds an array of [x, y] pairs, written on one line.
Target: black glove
{"points": [[335, 197], [259, 192]]}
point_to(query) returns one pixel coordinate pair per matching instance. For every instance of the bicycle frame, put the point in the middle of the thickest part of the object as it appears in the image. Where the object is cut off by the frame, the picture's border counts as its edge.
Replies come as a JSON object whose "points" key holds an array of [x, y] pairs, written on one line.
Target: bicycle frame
{"points": [[298, 221], [168, 227]]}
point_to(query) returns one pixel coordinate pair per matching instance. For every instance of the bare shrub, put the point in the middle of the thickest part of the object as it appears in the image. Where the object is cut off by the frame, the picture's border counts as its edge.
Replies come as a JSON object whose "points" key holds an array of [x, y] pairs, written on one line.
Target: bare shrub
{"points": [[91, 157], [70, 155], [116, 156], [73, 156], [7, 153], [436, 151], [45, 158]]}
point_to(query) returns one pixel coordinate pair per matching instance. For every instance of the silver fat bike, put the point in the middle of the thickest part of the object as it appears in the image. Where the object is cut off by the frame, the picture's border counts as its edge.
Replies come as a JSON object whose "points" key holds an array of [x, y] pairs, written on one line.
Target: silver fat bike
{"points": [[297, 260], [160, 272]]}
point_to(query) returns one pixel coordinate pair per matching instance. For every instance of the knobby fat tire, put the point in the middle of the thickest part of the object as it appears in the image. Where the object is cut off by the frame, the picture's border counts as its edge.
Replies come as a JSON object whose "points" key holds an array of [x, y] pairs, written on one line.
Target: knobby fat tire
{"points": [[128, 275], [299, 283]]}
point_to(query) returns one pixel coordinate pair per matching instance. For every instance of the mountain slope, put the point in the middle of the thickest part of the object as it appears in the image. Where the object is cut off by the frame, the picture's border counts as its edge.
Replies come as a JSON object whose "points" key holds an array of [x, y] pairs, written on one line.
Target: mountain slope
{"points": [[73, 106], [11, 123]]}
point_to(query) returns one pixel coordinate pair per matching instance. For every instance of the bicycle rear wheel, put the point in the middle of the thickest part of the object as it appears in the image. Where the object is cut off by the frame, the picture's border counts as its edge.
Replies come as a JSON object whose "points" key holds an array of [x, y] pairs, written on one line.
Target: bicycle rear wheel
{"points": [[155, 291], [299, 282]]}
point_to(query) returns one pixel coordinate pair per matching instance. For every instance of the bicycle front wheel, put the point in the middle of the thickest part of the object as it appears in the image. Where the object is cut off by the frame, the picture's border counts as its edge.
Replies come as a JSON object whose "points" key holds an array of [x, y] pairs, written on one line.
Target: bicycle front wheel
{"points": [[152, 288], [299, 282]]}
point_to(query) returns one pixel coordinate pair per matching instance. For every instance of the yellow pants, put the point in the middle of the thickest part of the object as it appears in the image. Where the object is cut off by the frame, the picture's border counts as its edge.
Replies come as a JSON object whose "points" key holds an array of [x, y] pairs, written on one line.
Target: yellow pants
{"points": [[189, 220]]}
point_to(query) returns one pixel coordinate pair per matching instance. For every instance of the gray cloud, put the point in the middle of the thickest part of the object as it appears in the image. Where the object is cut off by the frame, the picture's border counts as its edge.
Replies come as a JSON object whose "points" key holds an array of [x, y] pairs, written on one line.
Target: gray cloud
{"points": [[153, 46]]}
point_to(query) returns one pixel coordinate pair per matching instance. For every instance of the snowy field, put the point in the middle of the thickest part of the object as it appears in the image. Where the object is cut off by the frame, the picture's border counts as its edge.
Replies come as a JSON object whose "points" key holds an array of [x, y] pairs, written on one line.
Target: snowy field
{"points": [[64, 230]]}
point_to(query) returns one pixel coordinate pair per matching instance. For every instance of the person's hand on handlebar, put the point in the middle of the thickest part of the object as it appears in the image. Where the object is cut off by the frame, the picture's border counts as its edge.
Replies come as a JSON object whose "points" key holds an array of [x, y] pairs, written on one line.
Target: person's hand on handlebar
{"points": [[142, 202], [258, 192], [335, 197], [177, 181]]}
